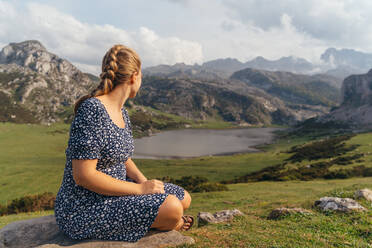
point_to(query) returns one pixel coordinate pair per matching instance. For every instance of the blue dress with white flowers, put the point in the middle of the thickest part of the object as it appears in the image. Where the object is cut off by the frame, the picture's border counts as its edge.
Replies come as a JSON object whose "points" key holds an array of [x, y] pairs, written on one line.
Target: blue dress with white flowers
{"points": [[84, 214]]}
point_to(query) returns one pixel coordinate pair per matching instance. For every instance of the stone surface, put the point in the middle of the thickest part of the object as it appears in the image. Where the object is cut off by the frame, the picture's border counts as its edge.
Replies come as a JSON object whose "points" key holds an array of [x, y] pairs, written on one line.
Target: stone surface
{"points": [[356, 108], [279, 212], [205, 218], [338, 204], [43, 232], [364, 193]]}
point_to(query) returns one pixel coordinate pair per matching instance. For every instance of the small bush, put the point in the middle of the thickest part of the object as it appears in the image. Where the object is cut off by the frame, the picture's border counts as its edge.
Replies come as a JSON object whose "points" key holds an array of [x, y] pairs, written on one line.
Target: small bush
{"points": [[29, 203], [195, 183], [208, 187]]}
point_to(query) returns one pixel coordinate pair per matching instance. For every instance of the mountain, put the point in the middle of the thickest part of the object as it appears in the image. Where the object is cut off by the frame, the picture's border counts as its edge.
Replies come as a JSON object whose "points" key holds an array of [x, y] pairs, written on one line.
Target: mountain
{"points": [[345, 62], [336, 63], [227, 99], [356, 107], [37, 82], [227, 65], [38, 86], [348, 57], [292, 88], [224, 68], [290, 64], [181, 70], [200, 99]]}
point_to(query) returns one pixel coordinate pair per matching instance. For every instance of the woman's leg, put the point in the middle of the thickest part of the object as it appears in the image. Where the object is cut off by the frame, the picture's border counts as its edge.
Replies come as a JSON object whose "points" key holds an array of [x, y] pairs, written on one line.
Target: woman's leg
{"points": [[170, 214], [186, 201]]}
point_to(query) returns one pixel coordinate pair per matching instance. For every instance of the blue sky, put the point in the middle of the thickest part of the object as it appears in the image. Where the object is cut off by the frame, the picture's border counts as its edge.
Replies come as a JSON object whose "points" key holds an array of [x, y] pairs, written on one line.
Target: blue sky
{"points": [[189, 31]]}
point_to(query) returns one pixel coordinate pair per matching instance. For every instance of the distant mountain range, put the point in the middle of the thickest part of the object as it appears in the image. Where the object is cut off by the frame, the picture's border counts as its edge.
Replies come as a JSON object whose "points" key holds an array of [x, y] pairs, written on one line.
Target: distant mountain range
{"points": [[37, 86], [336, 63]]}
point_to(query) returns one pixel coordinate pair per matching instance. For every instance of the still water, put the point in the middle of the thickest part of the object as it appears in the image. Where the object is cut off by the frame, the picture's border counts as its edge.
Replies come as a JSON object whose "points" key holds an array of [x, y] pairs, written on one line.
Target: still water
{"points": [[187, 143]]}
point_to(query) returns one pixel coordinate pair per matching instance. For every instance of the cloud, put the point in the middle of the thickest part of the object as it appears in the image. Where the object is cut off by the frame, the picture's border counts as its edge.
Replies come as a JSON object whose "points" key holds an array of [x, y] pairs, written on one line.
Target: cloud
{"points": [[244, 29], [333, 21], [85, 44]]}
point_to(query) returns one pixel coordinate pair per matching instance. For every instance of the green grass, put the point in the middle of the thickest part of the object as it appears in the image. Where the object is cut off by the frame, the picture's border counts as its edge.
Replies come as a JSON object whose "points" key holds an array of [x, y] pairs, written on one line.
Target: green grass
{"points": [[256, 200], [33, 159]]}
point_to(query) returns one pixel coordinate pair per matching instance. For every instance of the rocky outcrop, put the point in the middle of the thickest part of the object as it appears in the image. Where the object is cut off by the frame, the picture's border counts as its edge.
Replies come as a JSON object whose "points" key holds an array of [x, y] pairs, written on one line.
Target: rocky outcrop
{"points": [[205, 218], [338, 204], [356, 108], [40, 81], [43, 232], [364, 194]]}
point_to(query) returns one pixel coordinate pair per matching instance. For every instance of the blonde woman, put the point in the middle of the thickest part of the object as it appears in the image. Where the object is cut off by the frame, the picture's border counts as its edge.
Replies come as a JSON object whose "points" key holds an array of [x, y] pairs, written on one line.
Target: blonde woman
{"points": [[103, 194]]}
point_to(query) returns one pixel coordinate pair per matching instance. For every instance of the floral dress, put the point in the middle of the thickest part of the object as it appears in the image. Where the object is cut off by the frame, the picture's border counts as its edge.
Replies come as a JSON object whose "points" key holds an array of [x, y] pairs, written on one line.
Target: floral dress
{"points": [[84, 214]]}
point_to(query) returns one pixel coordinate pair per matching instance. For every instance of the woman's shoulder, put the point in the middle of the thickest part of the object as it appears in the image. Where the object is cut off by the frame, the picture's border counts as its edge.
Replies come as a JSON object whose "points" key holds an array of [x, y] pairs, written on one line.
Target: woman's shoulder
{"points": [[88, 110]]}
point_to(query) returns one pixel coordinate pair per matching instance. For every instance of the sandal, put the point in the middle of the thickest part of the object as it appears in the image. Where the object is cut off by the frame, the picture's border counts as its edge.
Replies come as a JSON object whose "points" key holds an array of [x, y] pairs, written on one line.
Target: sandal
{"points": [[185, 218]]}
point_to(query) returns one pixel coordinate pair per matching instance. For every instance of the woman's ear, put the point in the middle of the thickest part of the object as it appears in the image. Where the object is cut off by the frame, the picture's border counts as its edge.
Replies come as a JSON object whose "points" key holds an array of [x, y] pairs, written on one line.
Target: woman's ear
{"points": [[133, 78]]}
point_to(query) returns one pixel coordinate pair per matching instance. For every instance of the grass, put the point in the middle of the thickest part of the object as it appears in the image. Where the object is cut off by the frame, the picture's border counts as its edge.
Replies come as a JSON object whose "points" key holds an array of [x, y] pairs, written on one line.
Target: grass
{"points": [[33, 151], [38, 153], [256, 200]]}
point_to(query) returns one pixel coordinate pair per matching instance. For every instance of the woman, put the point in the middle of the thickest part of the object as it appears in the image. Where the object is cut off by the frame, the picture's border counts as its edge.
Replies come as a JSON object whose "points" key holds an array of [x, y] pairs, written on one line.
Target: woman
{"points": [[103, 194]]}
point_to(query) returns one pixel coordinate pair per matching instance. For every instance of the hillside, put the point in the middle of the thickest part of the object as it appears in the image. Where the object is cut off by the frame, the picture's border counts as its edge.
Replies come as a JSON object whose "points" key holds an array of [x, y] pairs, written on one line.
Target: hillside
{"points": [[354, 112], [39, 82], [39, 87], [292, 88]]}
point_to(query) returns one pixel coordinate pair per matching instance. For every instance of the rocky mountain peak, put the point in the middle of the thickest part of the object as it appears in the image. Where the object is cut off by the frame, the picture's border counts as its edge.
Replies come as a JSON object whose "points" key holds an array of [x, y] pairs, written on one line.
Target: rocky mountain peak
{"points": [[33, 55], [356, 108], [37, 84], [28, 45]]}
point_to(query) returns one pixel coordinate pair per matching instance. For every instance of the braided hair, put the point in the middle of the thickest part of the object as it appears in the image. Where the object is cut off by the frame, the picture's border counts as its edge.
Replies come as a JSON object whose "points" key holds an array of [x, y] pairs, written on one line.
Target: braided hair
{"points": [[118, 65]]}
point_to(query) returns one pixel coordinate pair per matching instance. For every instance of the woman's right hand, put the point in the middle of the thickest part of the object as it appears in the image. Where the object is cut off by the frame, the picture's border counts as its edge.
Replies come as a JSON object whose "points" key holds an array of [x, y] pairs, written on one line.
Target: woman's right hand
{"points": [[152, 186]]}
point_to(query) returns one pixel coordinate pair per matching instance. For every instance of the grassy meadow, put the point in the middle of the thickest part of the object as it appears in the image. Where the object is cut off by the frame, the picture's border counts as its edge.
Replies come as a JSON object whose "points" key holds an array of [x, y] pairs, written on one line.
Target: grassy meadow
{"points": [[32, 161]]}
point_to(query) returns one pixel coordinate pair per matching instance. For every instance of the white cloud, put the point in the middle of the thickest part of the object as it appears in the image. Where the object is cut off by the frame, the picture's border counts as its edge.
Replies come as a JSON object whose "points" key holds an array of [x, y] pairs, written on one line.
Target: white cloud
{"points": [[194, 31], [85, 44], [245, 29], [335, 22]]}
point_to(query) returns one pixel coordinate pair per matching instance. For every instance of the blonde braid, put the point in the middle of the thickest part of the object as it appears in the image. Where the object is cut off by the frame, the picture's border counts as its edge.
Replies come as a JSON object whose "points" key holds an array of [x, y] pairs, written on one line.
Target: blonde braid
{"points": [[115, 70]]}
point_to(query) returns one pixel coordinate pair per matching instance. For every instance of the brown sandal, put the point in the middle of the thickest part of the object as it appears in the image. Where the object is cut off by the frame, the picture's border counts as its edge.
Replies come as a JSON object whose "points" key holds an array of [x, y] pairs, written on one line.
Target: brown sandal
{"points": [[185, 218]]}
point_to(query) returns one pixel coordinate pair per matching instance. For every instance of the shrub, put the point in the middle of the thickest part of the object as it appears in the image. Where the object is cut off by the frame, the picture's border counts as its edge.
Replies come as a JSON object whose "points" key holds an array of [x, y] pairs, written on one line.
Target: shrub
{"points": [[195, 183], [327, 148], [208, 187], [29, 203]]}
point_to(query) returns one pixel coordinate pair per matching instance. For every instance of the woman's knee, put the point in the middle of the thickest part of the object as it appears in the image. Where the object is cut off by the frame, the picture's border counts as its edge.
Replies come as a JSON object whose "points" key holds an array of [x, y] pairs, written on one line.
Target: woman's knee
{"points": [[186, 201], [171, 209]]}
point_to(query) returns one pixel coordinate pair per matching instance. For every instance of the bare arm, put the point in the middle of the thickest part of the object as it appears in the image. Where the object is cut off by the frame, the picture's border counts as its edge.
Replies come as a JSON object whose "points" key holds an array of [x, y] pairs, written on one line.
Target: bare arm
{"points": [[133, 172], [85, 174]]}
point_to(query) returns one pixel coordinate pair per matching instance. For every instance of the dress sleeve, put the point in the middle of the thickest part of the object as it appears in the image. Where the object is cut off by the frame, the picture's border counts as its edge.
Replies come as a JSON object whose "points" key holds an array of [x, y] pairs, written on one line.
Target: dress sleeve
{"points": [[86, 133]]}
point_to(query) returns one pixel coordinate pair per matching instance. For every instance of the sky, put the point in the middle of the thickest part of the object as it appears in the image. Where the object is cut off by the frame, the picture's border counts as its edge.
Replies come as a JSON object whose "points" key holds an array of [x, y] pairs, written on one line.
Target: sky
{"points": [[188, 31]]}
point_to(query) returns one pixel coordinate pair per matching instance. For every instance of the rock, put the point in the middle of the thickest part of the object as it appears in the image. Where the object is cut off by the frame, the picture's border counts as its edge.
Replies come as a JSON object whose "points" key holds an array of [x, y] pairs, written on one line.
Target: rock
{"points": [[355, 110], [205, 218], [279, 212], [43, 232], [364, 193], [338, 204]]}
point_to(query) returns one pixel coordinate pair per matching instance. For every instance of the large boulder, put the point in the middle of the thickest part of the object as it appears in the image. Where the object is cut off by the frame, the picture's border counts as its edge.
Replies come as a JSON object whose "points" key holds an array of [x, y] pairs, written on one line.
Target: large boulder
{"points": [[43, 232]]}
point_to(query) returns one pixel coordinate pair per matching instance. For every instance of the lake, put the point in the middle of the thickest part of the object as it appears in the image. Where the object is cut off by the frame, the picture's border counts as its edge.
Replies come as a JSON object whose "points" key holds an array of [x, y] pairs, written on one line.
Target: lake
{"points": [[187, 143]]}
